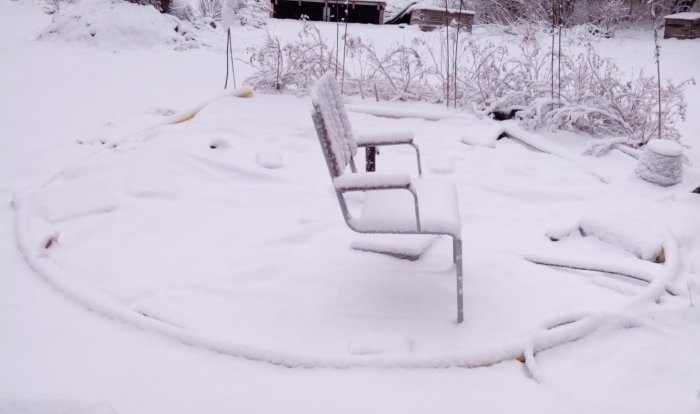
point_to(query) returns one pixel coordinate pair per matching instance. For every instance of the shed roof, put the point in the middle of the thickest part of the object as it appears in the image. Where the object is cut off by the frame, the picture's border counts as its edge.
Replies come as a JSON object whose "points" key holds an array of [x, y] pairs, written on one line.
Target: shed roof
{"points": [[684, 16]]}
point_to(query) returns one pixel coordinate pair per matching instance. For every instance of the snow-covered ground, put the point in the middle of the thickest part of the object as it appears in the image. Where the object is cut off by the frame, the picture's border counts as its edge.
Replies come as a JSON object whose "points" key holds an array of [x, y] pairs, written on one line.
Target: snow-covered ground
{"points": [[205, 266]]}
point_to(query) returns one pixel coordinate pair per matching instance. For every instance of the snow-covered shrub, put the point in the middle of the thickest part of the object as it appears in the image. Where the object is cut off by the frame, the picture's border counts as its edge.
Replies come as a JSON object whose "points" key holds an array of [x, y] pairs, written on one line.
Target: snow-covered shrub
{"points": [[509, 12], [119, 24], [495, 78], [293, 66], [596, 98], [245, 12], [210, 9], [589, 94], [608, 15], [397, 74], [181, 9]]}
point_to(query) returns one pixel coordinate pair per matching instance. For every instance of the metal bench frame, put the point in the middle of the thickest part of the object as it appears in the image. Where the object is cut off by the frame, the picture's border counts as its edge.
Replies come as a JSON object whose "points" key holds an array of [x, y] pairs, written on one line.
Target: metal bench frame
{"points": [[333, 168]]}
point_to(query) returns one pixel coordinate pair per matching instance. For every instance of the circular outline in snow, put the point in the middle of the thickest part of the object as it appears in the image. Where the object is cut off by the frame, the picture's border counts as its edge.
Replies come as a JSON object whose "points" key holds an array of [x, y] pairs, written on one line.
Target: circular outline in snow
{"points": [[106, 306]]}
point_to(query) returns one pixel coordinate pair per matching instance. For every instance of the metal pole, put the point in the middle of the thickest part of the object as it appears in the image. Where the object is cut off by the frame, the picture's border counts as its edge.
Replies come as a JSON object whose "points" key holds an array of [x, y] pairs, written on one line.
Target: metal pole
{"points": [[370, 159]]}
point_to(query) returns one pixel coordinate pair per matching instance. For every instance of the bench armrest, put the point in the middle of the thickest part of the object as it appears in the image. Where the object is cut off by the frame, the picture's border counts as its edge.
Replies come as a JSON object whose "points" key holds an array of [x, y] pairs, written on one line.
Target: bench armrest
{"points": [[389, 138], [371, 181], [379, 181], [384, 138]]}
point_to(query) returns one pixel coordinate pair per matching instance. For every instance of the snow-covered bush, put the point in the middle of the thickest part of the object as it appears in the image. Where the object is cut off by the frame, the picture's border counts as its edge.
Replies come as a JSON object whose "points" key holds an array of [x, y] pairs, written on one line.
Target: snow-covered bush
{"points": [[509, 12], [181, 9], [397, 74], [245, 12], [596, 98], [210, 9], [294, 66], [493, 77], [591, 95], [119, 24]]}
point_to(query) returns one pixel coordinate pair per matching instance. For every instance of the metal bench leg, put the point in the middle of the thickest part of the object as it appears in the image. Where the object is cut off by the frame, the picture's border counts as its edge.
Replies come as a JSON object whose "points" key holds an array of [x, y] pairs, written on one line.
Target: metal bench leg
{"points": [[457, 258], [370, 159]]}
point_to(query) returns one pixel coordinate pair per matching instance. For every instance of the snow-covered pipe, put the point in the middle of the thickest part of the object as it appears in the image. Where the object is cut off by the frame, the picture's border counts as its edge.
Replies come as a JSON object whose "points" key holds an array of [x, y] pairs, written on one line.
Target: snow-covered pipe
{"points": [[568, 328]]}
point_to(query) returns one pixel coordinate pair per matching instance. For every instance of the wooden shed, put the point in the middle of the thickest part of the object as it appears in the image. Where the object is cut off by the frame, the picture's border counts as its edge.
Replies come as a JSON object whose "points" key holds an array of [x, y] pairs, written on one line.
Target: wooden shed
{"points": [[682, 25], [429, 18], [358, 11]]}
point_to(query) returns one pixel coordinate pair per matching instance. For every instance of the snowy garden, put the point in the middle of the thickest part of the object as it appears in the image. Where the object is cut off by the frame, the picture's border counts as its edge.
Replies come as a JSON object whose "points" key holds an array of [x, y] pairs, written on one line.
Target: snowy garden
{"points": [[171, 244]]}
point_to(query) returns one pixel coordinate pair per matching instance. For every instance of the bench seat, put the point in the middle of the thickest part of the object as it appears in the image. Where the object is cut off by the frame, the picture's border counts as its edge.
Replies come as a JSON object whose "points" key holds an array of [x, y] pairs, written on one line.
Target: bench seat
{"points": [[392, 211]]}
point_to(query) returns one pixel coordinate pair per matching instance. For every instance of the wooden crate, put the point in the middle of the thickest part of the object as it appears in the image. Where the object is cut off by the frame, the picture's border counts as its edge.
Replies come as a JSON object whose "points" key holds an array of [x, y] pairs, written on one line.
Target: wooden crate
{"points": [[430, 18], [682, 25]]}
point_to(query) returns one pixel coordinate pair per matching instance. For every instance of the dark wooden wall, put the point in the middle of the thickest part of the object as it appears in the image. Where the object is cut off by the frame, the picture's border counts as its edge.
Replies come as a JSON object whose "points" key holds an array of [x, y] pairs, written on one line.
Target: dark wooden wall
{"points": [[357, 13], [682, 29]]}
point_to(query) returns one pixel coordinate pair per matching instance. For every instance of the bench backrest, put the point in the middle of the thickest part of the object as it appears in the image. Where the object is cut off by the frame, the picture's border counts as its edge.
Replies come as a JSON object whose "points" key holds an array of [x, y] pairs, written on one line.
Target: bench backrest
{"points": [[332, 125]]}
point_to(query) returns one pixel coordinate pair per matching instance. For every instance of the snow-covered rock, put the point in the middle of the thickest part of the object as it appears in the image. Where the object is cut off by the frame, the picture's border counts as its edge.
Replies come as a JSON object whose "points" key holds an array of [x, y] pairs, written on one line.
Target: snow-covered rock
{"points": [[269, 159]]}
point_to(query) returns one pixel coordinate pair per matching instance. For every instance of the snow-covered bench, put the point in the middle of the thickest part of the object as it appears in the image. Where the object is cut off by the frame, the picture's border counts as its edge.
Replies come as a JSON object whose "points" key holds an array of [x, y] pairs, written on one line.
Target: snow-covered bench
{"points": [[432, 206]]}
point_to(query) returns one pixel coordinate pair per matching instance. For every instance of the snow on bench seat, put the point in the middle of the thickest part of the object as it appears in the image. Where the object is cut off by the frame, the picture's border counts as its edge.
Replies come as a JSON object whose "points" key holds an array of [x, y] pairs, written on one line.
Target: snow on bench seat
{"points": [[368, 181], [393, 211]]}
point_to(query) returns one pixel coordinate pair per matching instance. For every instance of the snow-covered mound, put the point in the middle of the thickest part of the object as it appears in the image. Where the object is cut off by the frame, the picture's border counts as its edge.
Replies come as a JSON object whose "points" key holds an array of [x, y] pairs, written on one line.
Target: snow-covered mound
{"points": [[119, 24]]}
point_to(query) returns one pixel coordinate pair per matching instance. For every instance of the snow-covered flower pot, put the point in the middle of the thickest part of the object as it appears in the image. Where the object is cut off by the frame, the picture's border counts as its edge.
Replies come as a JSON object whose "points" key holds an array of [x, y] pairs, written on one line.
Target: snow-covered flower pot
{"points": [[661, 163]]}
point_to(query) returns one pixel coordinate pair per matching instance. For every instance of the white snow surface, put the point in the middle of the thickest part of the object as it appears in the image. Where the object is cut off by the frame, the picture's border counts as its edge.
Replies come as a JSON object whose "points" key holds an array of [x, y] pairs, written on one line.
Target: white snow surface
{"points": [[53, 406], [211, 248], [665, 147]]}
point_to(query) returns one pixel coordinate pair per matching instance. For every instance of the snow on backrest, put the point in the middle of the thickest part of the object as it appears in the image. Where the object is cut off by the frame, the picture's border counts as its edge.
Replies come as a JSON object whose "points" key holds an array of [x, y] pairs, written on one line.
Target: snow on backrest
{"points": [[349, 144], [335, 128]]}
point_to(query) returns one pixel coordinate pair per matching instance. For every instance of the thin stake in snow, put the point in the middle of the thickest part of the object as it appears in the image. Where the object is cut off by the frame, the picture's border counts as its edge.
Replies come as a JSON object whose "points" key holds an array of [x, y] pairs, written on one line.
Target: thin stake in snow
{"points": [[345, 44], [229, 57], [337, 37], [447, 55], [657, 58], [459, 21]]}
